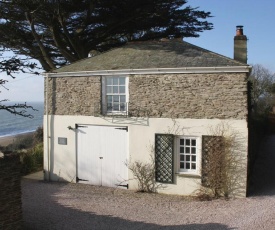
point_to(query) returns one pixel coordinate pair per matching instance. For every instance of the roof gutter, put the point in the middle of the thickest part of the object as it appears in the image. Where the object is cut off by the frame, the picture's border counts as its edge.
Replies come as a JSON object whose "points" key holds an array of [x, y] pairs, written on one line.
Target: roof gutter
{"points": [[186, 70]]}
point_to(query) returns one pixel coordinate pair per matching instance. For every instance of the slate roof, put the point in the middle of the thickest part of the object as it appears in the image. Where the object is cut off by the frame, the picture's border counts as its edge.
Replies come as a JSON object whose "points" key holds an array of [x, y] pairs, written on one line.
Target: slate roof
{"points": [[152, 54]]}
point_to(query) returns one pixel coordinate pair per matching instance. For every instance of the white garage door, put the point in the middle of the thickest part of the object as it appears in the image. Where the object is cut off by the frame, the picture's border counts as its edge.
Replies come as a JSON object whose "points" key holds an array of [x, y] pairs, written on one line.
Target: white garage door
{"points": [[101, 155]]}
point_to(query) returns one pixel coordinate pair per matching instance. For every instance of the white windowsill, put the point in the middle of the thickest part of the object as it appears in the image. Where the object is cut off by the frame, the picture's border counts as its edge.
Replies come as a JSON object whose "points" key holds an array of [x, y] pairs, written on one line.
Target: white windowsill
{"points": [[115, 113], [188, 174]]}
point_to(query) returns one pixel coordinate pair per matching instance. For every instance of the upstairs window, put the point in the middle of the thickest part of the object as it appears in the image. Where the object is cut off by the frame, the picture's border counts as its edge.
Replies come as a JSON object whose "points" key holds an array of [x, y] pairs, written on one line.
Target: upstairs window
{"points": [[114, 90]]}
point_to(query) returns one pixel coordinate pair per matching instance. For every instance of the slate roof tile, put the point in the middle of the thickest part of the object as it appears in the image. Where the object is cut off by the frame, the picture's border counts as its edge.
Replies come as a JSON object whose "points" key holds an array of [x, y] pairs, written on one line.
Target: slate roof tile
{"points": [[152, 54]]}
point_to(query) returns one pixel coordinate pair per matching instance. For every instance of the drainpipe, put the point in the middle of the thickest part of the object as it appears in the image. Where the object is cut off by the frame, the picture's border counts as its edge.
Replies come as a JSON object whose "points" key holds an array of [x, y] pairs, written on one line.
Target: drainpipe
{"points": [[47, 126]]}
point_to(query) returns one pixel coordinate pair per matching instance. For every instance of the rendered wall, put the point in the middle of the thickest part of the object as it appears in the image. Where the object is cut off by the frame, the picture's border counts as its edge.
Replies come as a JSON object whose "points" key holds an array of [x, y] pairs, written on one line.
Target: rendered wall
{"points": [[141, 139]]}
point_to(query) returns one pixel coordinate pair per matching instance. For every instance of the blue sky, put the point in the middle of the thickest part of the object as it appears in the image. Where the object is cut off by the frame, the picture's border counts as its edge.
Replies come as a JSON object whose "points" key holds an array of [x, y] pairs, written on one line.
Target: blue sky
{"points": [[257, 17]]}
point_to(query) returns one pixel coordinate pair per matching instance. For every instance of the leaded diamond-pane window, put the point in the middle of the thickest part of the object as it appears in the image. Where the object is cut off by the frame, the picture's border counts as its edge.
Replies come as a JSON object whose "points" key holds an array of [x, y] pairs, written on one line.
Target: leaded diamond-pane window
{"points": [[164, 158]]}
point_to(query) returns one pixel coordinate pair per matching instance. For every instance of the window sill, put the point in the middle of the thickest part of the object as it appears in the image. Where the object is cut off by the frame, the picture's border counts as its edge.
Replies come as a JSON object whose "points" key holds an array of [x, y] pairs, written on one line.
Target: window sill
{"points": [[188, 175], [119, 114]]}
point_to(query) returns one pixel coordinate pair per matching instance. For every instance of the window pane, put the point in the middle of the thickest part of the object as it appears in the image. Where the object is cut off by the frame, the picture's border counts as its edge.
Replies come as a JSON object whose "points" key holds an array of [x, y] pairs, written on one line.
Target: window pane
{"points": [[109, 107], [109, 99], [121, 89], [187, 150], [193, 142], [181, 149], [109, 81], [122, 99], [115, 89], [181, 165], [194, 158], [115, 107], [187, 157], [187, 165], [181, 141], [122, 81], [193, 150], [181, 157], [116, 98], [187, 142], [193, 165], [122, 107], [115, 81], [109, 89]]}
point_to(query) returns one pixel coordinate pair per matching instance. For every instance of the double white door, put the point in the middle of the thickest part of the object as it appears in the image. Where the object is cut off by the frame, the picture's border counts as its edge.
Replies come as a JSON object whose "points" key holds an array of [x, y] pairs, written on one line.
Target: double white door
{"points": [[101, 155]]}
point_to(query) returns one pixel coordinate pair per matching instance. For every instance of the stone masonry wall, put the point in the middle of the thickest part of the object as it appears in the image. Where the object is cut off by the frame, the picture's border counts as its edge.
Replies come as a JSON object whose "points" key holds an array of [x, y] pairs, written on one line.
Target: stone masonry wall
{"points": [[10, 193], [74, 95], [221, 96]]}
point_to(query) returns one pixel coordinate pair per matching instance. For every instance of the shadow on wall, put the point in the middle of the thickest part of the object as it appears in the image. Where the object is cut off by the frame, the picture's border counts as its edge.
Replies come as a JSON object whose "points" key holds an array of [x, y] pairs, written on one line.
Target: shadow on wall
{"points": [[58, 177], [263, 174], [143, 121], [42, 209]]}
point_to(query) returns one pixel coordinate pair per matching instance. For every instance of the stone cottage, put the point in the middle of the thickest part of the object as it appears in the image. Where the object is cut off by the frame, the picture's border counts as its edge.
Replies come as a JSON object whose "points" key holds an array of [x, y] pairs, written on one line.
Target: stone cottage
{"points": [[145, 100]]}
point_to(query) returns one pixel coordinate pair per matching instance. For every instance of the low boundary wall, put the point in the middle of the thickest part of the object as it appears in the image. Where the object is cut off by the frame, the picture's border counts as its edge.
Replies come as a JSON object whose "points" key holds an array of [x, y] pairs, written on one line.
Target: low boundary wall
{"points": [[10, 193]]}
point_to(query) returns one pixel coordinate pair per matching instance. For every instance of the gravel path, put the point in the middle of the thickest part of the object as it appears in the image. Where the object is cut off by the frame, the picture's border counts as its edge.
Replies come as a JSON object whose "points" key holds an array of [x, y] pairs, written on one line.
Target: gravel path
{"points": [[78, 206]]}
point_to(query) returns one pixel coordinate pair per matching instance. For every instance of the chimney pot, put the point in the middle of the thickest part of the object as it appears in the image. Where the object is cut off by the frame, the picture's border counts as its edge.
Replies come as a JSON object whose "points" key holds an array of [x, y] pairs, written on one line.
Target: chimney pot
{"points": [[239, 30]]}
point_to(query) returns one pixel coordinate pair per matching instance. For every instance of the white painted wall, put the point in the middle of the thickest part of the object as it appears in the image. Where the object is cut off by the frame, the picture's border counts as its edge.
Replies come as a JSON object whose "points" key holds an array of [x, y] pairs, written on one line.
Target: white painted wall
{"points": [[141, 138]]}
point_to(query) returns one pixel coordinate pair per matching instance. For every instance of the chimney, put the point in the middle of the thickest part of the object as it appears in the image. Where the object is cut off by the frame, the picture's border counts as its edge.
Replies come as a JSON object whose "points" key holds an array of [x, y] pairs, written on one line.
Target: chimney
{"points": [[240, 45]]}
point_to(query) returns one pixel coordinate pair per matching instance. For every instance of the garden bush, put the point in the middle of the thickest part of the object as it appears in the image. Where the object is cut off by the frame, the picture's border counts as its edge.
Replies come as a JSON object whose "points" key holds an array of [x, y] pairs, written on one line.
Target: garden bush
{"points": [[32, 159], [30, 149]]}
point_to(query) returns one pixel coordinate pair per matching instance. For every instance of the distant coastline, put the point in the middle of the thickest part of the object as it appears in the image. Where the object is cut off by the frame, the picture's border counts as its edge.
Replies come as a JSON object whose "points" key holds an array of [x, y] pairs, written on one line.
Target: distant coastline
{"points": [[6, 140], [17, 133], [12, 125]]}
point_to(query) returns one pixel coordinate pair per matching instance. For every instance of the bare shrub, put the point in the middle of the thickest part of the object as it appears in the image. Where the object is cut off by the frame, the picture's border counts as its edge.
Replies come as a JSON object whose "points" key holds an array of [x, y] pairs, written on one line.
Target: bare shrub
{"points": [[144, 173], [222, 163]]}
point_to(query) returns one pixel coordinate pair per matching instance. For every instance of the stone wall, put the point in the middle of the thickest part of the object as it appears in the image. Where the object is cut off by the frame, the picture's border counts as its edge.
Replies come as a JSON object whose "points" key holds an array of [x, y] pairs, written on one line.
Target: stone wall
{"points": [[221, 96], [10, 193], [74, 95]]}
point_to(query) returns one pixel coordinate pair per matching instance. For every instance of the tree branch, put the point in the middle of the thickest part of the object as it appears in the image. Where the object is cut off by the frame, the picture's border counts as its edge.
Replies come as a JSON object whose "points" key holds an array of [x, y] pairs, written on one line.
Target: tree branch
{"points": [[14, 108], [37, 39]]}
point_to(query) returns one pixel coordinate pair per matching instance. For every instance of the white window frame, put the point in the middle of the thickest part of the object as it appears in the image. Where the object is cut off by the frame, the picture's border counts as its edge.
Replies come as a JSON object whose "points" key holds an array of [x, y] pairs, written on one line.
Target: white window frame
{"points": [[104, 95], [198, 155]]}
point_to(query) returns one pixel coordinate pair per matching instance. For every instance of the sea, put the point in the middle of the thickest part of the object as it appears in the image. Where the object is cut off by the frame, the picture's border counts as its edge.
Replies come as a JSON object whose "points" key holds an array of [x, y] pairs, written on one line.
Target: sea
{"points": [[11, 124]]}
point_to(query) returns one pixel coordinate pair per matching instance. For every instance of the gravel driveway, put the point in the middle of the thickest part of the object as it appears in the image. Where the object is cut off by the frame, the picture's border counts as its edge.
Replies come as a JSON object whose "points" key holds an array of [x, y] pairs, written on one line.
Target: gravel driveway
{"points": [[78, 206]]}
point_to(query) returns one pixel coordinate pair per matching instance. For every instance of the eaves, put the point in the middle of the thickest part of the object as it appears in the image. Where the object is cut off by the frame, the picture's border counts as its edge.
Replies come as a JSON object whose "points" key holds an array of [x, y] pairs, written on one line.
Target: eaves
{"points": [[185, 70]]}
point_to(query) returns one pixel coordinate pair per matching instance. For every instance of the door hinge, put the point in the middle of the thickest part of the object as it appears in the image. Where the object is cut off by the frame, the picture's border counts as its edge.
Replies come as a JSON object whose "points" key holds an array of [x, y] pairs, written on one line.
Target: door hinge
{"points": [[124, 128], [78, 179], [80, 126], [123, 185]]}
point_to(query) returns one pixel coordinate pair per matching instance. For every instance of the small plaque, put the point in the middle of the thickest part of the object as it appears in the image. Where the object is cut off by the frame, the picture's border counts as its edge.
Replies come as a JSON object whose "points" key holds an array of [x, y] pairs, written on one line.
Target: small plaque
{"points": [[62, 140]]}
